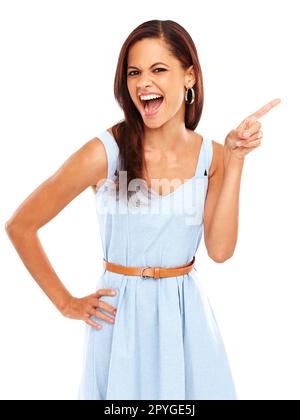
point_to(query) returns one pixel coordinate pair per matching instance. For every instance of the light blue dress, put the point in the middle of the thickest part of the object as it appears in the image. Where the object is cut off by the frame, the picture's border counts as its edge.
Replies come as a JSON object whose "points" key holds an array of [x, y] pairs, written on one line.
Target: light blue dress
{"points": [[165, 343]]}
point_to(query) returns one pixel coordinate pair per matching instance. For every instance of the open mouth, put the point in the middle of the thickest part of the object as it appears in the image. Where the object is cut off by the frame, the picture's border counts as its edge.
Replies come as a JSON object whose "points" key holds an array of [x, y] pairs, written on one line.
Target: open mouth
{"points": [[152, 106]]}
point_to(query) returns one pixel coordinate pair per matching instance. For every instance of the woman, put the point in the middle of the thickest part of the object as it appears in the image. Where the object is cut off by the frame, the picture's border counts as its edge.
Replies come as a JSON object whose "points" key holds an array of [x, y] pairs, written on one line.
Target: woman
{"points": [[158, 338]]}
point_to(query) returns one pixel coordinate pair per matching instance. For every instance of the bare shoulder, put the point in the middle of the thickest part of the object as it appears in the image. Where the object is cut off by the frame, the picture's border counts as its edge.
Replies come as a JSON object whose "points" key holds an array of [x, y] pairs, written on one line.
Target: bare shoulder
{"points": [[98, 146], [100, 159]]}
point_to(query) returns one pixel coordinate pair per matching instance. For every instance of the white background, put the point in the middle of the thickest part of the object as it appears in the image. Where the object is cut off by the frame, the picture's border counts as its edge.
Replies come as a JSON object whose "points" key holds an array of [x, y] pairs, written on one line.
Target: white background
{"points": [[58, 61]]}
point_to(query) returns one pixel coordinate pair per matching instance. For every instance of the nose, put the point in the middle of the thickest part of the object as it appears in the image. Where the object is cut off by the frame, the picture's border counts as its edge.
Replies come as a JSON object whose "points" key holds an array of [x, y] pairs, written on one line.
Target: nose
{"points": [[144, 81], [141, 85]]}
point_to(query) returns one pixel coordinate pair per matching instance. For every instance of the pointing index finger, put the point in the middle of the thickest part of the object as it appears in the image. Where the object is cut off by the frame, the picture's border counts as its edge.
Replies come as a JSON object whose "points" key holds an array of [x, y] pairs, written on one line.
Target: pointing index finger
{"points": [[266, 108]]}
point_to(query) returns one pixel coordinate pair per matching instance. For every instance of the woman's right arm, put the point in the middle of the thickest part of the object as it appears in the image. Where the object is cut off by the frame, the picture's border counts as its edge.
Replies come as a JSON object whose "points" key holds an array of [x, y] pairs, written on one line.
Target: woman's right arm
{"points": [[82, 169]]}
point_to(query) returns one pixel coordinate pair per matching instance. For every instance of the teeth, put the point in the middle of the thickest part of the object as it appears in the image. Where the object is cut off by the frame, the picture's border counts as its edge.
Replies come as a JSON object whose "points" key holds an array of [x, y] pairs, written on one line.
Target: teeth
{"points": [[148, 97]]}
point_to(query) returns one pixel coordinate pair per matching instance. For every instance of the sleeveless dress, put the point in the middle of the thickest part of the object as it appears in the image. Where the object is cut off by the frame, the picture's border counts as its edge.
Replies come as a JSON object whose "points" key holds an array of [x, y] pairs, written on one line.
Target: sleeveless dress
{"points": [[165, 342]]}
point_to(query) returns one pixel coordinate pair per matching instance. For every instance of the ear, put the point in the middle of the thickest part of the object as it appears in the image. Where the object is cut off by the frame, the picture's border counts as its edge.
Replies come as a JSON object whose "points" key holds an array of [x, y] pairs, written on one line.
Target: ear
{"points": [[189, 78]]}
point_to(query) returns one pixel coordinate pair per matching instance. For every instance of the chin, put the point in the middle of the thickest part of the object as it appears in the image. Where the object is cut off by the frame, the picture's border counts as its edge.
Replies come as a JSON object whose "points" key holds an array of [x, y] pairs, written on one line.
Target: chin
{"points": [[154, 124]]}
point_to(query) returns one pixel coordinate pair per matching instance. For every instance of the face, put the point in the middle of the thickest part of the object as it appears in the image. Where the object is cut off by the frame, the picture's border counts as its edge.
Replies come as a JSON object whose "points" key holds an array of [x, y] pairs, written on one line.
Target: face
{"points": [[167, 78]]}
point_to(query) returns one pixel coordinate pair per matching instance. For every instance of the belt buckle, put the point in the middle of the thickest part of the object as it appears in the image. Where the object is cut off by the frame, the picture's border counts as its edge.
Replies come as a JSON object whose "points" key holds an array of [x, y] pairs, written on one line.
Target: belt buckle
{"points": [[142, 276]]}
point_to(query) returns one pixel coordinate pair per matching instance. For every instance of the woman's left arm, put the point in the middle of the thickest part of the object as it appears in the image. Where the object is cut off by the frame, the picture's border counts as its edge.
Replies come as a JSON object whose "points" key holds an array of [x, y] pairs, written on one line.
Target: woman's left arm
{"points": [[222, 201]]}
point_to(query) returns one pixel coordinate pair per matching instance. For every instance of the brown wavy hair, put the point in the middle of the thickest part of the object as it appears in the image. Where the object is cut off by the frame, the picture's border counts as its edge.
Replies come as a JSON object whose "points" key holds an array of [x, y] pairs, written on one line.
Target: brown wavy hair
{"points": [[129, 132]]}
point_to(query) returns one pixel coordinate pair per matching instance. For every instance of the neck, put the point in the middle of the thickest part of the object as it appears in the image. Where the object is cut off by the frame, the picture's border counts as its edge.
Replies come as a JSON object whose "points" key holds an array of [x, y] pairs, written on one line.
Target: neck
{"points": [[166, 138]]}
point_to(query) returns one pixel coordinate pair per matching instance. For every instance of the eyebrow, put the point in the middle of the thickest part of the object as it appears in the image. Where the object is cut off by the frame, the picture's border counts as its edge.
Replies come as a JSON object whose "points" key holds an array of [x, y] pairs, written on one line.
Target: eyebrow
{"points": [[155, 64]]}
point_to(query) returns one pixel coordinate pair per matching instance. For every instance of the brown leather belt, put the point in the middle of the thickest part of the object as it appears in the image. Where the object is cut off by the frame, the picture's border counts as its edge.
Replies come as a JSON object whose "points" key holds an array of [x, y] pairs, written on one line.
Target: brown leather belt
{"points": [[155, 272]]}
